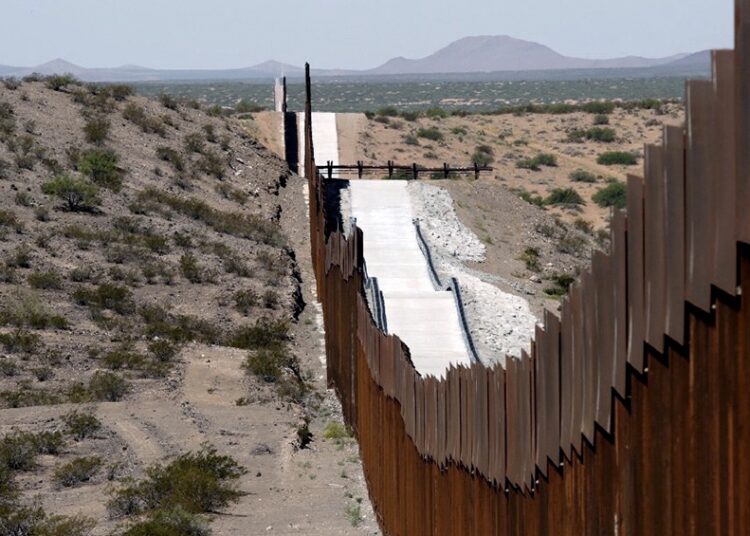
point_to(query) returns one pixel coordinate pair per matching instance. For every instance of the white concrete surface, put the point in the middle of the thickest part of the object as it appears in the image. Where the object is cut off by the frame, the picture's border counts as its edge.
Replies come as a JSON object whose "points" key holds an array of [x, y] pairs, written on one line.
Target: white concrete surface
{"points": [[425, 319]]}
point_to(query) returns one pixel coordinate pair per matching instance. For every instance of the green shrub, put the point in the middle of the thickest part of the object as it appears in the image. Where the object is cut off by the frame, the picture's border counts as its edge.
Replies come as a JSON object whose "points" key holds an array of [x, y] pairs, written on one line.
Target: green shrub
{"points": [[483, 155], [210, 133], [120, 92], [430, 133], [163, 350], [9, 220], [18, 450], [581, 175], [561, 284], [96, 130], [617, 158], [178, 329], [212, 163], [604, 135], [19, 341], [353, 513], [410, 139], [601, 119], [612, 195], [531, 198], [410, 116], [564, 196], [546, 159], [122, 358], [107, 386], [21, 257], [81, 425], [248, 107], [79, 194], [231, 193], [45, 280], [25, 308], [149, 125], [8, 367], [598, 107], [195, 482], [191, 269], [58, 81], [266, 333], [336, 430], [170, 522], [16, 520], [77, 471], [388, 111], [101, 167], [269, 363], [530, 258], [168, 101], [106, 296], [270, 299], [195, 142], [245, 300], [435, 113], [167, 154]]}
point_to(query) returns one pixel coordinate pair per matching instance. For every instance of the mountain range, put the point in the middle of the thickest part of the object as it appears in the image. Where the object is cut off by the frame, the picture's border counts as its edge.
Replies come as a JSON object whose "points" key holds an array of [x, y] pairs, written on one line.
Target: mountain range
{"points": [[478, 54]]}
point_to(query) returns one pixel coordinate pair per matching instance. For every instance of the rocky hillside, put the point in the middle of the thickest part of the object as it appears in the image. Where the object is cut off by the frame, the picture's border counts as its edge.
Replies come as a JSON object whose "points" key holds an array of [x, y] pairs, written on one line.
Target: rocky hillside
{"points": [[149, 300]]}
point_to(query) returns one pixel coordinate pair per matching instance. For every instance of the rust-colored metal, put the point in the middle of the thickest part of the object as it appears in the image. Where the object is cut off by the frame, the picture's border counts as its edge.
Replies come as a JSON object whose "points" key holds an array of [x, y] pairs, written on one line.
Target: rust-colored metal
{"points": [[654, 436]]}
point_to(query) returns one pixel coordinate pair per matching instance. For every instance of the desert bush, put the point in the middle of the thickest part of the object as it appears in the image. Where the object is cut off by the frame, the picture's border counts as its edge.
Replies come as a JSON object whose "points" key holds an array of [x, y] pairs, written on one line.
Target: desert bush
{"points": [[4, 169], [106, 386], [101, 167], [430, 133], [269, 363], [195, 482], [388, 111], [195, 142], [45, 280], [248, 107], [79, 194], [20, 258], [336, 431], [483, 155], [42, 374], [598, 107], [25, 309], [120, 92], [546, 159], [265, 333], [617, 158], [170, 522], [178, 329], [19, 341], [163, 350], [216, 111], [530, 198], [8, 367], [602, 134], [18, 450], [245, 300], [77, 471], [9, 220], [11, 83], [212, 163], [270, 299], [57, 82], [168, 101], [564, 196], [581, 175], [601, 119], [583, 225], [96, 130], [167, 154], [26, 396], [561, 284], [231, 193], [435, 113], [530, 258], [210, 133], [23, 199], [572, 244], [123, 358], [191, 269], [236, 224], [612, 195], [382, 119], [106, 296], [410, 139], [149, 125], [81, 425]]}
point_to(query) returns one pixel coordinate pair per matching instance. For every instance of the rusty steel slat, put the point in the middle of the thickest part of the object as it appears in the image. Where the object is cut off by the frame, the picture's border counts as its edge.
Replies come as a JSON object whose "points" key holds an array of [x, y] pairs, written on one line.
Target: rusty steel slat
{"points": [[604, 339], [724, 240], [419, 420], [454, 414], [542, 394], [496, 418], [566, 377], [440, 436], [512, 423], [655, 247], [699, 193], [590, 358], [577, 315], [620, 305], [526, 427], [552, 356], [742, 116], [636, 328], [481, 420], [674, 170]]}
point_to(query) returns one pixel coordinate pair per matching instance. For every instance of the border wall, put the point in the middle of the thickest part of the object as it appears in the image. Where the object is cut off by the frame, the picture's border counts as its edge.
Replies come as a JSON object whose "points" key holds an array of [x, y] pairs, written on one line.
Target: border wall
{"points": [[630, 413]]}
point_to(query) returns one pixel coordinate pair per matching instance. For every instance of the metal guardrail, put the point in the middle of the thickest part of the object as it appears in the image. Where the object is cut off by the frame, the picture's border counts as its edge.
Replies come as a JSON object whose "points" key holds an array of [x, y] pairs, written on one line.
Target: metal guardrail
{"points": [[452, 287], [375, 294]]}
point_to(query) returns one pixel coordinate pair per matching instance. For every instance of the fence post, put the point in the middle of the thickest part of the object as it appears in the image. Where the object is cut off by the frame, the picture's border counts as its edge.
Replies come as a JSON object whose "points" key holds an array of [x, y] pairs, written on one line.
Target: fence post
{"points": [[359, 168], [476, 171], [330, 169], [445, 170], [414, 170], [390, 169]]}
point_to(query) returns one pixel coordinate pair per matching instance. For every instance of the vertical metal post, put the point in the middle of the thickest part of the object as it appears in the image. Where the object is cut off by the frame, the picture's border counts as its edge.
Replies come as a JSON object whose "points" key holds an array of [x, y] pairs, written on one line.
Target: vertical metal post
{"points": [[390, 169], [445, 169], [414, 170], [476, 171], [359, 168], [330, 169]]}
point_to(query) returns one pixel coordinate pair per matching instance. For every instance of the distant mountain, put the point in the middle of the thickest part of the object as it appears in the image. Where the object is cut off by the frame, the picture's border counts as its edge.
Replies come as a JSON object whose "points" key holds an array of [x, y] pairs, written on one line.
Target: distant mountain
{"points": [[700, 60], [477, 55], [482, 54]]}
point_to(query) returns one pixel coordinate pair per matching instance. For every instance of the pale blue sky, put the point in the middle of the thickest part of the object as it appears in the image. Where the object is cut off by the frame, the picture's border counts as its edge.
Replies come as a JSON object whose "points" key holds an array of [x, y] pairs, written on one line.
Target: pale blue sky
{"points": [[343, 33]]}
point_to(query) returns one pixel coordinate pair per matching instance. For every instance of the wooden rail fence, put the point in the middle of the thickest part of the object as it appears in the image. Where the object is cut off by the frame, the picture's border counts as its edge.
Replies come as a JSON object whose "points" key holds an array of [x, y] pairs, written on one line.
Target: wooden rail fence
{"points": [[630, 413]]}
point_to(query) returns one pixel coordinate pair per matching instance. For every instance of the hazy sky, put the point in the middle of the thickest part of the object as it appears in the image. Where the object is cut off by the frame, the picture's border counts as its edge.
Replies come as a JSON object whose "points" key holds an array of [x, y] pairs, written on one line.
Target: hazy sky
{"points": [[343, 33]]}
